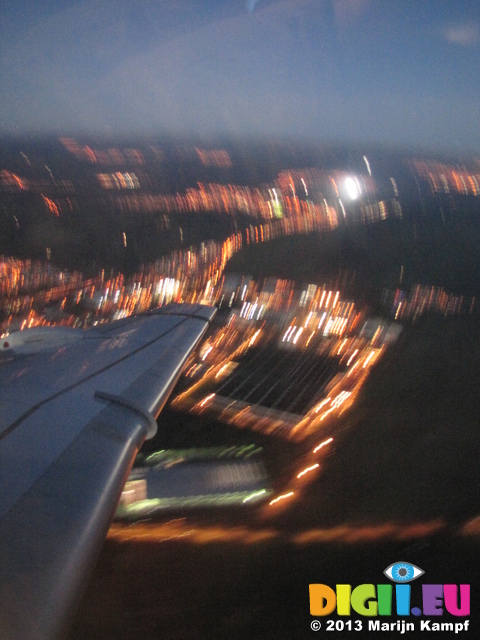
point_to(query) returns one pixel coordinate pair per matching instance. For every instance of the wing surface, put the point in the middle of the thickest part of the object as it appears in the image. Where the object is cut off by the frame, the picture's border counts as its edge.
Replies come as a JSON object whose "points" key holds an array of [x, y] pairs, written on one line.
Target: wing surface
{"points": [[72, 418]]}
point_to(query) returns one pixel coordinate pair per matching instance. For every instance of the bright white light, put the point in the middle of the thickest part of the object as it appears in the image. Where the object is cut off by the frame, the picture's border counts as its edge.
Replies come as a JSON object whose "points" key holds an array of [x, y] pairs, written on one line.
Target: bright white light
{"points": [[305, 187], [322, 444], [352, 188], [368, 165], [307, 470], [297, 335]]}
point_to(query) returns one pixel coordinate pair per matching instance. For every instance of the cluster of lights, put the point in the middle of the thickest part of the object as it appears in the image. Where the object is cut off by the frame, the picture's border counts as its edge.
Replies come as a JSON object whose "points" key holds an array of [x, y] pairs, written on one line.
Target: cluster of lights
{"points": [[251, 311], [111, 156], [118, 180], [424, 298], [444, 178]]}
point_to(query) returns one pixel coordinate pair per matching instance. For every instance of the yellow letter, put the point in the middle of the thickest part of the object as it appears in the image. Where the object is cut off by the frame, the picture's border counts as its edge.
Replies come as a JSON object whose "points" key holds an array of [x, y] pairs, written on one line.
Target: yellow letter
{"points": [[343, 599]]}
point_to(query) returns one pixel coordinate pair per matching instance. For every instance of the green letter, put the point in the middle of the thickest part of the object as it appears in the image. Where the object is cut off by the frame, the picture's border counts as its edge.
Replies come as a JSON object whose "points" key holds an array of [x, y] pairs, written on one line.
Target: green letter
{"points": [[360, 595]]}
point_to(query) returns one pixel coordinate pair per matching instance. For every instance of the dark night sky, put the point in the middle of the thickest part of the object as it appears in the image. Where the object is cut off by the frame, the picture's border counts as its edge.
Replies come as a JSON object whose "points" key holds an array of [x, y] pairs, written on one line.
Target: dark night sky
{"points": [[403, 72]]}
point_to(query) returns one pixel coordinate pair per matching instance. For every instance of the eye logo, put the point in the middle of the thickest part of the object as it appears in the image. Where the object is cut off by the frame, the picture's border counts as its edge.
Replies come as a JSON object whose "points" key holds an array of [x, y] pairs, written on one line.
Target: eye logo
{"points": [[403, 572]]}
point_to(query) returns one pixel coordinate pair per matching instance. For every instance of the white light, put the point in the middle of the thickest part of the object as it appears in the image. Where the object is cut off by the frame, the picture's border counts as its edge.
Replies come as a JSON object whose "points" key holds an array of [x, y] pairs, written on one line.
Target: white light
{"points": [[368, 165], [352, 188], [297, 335]]}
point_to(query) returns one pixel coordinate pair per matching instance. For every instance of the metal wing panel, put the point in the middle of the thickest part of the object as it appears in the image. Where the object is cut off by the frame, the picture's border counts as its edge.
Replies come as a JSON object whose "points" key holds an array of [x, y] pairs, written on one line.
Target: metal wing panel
{"points": [[51, 536], [35, 377], [141, 375], [64, 456]]}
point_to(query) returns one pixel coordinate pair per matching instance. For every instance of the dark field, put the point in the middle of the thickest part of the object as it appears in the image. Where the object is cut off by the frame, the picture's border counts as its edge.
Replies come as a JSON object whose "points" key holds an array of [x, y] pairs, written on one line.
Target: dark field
{"points": [[280, 379]]}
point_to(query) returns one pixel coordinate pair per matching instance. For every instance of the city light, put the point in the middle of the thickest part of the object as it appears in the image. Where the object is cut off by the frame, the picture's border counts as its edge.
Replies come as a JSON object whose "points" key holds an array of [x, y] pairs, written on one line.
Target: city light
{"points": [[322, 444], [280, 498], [352, 189], [308, 470]]}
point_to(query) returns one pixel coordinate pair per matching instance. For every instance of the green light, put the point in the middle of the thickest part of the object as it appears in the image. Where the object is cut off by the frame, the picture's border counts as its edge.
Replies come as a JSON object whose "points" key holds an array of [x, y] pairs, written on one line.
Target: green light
{"points": [[147, 507], [201, 453], [255, 496]]}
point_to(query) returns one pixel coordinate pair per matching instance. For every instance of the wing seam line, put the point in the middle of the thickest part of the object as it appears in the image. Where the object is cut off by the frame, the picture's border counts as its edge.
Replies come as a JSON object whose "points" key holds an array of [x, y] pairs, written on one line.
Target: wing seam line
{"points": [[56, 395]]}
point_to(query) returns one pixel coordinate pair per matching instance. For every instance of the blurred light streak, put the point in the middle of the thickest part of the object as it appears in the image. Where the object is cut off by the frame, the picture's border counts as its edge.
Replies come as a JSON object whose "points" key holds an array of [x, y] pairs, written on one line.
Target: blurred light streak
{"points": [[254, 337], [352, 357], [282, 497], [353, 534], [341, 347], [367, 361], [352, 369], [309, 338], [322, 404], [471, 528], [307, 470], [181, 531], [368, 165], [205, 400], [178, 532], [322, 444], [253, 496], [207, 352], [297, 335]]}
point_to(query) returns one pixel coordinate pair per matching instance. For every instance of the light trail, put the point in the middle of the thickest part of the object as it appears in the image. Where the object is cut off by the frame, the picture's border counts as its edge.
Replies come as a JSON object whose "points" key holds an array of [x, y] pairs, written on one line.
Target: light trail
{"points": [[322, 444], [308, 470], [280, 498], [352, 533]]}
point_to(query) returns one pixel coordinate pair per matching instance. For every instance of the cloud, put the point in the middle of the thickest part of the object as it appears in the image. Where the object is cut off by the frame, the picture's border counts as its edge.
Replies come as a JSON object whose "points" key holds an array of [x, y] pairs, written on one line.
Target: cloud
{"points": [[465, 35], [251, 5]]}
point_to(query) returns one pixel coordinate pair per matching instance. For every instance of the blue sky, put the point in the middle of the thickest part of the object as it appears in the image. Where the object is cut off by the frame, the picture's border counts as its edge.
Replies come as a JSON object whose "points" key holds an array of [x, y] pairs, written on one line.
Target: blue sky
{"points": [[394, 71]]}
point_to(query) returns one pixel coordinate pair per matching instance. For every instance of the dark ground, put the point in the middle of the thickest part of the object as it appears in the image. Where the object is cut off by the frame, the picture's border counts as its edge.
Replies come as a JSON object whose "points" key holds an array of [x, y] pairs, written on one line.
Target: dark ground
{"points": [[406, 454], [361, 260]]}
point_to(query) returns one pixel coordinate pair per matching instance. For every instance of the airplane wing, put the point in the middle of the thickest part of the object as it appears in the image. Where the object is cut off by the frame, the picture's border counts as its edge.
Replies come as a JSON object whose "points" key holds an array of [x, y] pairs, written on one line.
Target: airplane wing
{"points": [[72, 418]]}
